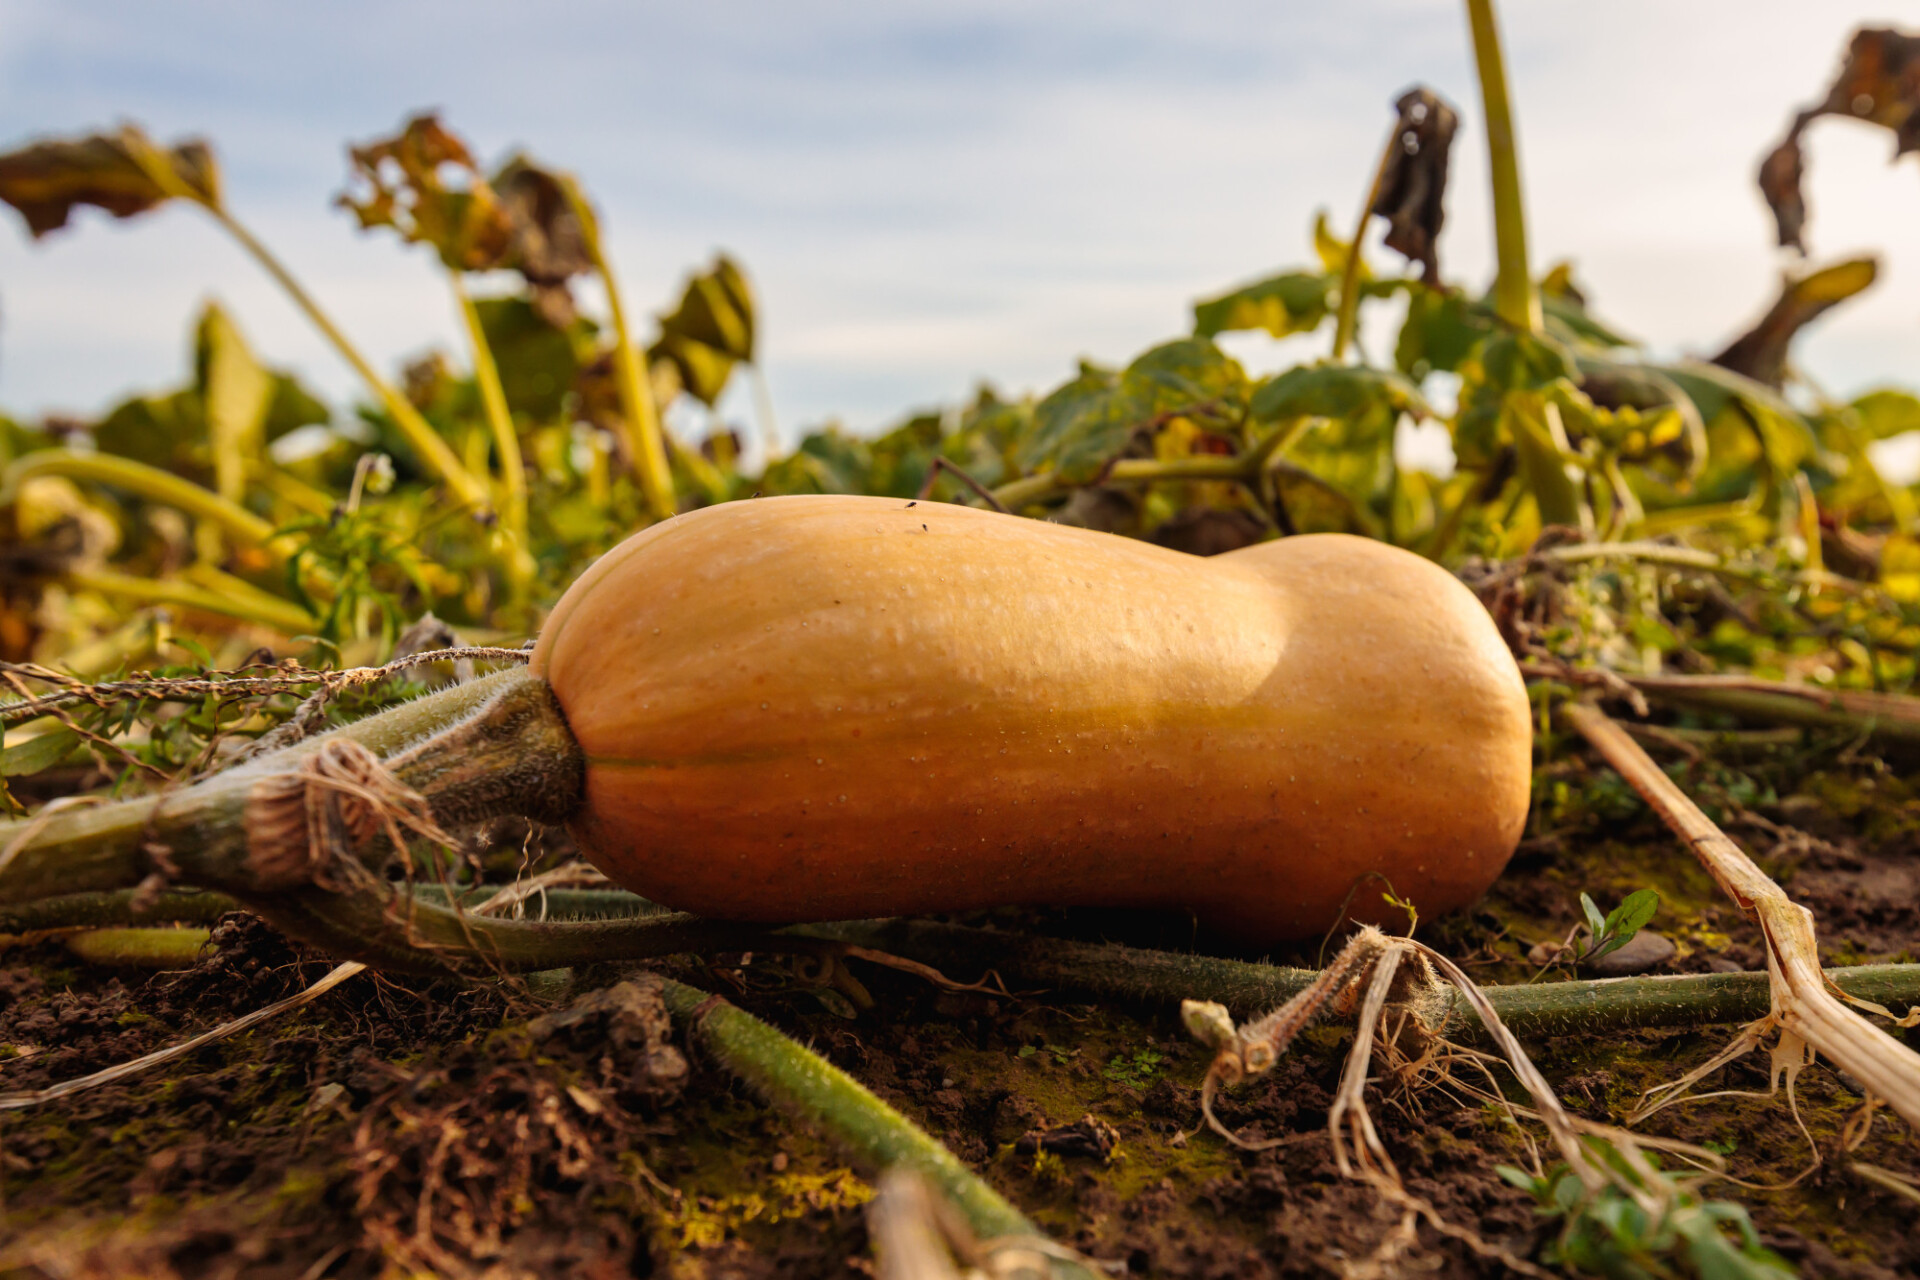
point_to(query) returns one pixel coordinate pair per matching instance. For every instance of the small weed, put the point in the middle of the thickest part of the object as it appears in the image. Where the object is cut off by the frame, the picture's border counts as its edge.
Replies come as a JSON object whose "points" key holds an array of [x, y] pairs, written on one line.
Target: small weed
{"points": [[1137, 1068]]}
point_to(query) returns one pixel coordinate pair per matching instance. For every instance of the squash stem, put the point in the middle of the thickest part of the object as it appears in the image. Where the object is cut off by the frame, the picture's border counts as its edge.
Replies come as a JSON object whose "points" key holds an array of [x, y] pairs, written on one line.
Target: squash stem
{"points": [[201, 830]]}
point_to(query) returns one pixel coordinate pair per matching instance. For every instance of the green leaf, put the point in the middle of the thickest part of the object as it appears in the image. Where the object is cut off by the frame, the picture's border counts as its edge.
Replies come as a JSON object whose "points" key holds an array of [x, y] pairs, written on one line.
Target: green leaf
{"points": [[1295, 302], [1441, 329], [1632, 915], [1595, 921], [1350, 392], [1084, 424], [1519, 1178], [42, 751], [1786, 439], [1888, 413]]}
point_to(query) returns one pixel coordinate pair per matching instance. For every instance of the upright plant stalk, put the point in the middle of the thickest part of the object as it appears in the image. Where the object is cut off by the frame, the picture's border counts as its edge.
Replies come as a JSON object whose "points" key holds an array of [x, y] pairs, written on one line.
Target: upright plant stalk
{"points": [[646, 444], [420, 434], [1350, 274], [1513, 293], [425, 441], [506, 442]]}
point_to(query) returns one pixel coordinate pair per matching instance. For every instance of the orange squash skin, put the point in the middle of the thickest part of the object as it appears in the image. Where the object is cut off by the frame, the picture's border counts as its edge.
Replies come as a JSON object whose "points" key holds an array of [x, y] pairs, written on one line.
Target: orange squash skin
{"points": [[813, 708]]}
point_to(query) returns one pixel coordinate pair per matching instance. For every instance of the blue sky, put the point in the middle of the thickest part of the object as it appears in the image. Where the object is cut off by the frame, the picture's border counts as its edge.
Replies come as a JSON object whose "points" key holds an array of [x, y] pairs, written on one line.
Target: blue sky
{"points": [[927, 196]]}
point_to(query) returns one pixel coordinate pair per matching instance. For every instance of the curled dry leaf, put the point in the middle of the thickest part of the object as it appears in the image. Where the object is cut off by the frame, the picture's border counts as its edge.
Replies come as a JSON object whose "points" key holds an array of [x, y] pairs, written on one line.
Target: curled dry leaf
{"points": [[1413, 179], [124, 173], [424, 184], [1878, 83], [1761, 352], [548, 244]]}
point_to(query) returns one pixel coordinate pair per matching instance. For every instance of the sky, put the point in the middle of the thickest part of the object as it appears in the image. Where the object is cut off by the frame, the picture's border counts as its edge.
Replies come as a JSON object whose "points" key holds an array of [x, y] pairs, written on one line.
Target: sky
{"points": [[929, 196]]}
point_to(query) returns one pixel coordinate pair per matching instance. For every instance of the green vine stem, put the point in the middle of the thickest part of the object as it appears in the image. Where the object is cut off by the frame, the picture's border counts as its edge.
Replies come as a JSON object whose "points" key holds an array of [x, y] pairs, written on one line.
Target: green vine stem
{"points": [[506, 441], [184, 905], [1161, 977], [139, 948], [645, 441], [1513, 293], [145, 481], [827, 1099]]}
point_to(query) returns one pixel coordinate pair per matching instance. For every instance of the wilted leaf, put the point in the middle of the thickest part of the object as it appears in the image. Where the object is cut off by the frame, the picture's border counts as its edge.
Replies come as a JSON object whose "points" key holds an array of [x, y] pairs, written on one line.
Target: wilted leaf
{"points": [[1292, 303], [1084, 424], [1413, 180], [123, 173], [538, 363], [1761, 352], [423, 183], [548, 246], [1879, 83], [235, 393], [711, 330]]}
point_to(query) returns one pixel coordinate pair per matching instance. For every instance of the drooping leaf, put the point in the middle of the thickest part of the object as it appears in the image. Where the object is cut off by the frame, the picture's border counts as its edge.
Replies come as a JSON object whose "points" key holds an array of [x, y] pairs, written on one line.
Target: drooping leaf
{"points": [[1295, 302], [1413, 181], [710, 331], [1786, 438], [547, 246], [538, 363], [1083, 425], [124, 173], [1761, 352], [235, 394], [1878, 83], [423, 183]]}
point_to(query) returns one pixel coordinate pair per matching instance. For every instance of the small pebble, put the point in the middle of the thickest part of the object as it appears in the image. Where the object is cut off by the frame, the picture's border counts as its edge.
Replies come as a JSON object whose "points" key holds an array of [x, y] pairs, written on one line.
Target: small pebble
{"points": [[1644, 951]]}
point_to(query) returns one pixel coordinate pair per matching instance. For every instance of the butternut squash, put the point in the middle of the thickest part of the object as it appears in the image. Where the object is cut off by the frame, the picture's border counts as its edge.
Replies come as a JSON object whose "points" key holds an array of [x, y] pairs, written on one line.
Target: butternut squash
{"points": [[812, 708]]}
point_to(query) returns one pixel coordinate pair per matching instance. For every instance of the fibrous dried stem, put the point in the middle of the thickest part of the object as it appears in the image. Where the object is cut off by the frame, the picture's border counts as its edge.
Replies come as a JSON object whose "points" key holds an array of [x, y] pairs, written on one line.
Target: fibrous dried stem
{"points": [[1804, 1006]]}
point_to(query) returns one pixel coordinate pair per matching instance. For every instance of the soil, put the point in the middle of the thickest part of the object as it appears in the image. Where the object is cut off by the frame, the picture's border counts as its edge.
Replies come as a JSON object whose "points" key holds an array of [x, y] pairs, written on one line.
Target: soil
{"points": [[409, 1128]]}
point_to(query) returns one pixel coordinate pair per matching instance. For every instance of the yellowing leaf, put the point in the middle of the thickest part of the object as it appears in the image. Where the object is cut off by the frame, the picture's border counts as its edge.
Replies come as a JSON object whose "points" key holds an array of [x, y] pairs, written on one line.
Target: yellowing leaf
{"points": [[235, 393]]}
